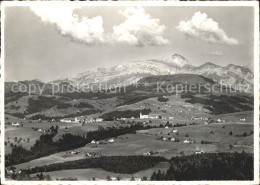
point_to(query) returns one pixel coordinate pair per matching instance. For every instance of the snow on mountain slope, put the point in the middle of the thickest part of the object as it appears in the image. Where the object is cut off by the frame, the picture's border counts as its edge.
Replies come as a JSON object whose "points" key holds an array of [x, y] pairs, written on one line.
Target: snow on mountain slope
{"points": [[131, 72]]}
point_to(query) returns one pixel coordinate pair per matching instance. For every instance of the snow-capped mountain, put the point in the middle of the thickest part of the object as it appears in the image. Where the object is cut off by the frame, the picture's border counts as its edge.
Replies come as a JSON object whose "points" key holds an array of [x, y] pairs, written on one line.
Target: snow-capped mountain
{"points": [[131, 72]]}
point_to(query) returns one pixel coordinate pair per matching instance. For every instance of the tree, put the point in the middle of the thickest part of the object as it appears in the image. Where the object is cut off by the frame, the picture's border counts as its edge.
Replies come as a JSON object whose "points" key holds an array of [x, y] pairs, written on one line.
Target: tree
{"points": [[109, 178], [231, 133], [144, 178]]}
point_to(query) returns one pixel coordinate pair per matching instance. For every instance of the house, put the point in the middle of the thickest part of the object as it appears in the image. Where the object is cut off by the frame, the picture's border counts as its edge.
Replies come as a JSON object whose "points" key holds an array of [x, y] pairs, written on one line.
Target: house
{"points": [[195, 118], [74, 152], [146, 153], [144, 116], [187, 141], [153, 116], [40, 130], [89, 120], [174, 131], [16, 124], [199, 152], [70, 120], [164, 138], [220, 120], [93, 141], [206, 123], [171, 117], [166, 127], [88, 155], [205, 119], [113, 178], [111, 140], [172, 139], [242, 119], [66, 120], [99, 119]]}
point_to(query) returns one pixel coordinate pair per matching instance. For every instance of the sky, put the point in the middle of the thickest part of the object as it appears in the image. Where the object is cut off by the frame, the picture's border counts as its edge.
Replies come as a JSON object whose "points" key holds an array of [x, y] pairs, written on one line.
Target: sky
{"points": [[50, 43]]}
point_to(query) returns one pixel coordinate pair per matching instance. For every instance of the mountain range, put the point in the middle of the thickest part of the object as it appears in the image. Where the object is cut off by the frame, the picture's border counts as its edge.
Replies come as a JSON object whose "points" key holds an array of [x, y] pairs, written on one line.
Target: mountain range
{"points": [[132, 72]]}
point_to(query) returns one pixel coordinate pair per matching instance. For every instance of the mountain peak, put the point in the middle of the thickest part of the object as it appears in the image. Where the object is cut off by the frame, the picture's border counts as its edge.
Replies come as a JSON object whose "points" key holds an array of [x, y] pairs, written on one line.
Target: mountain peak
{"points": [[177, 60], [177, 56]]}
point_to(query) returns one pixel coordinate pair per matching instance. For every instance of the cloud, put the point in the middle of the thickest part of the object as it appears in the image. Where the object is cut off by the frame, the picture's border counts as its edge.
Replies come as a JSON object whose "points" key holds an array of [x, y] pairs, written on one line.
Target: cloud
{"points": [[139, 29], [84, 29], [201, 26]]}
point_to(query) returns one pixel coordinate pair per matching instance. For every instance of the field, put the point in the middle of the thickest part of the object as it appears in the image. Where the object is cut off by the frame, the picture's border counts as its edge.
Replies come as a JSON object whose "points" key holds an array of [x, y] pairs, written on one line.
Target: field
{"points": [[100, 174], [151, 140], [26, 131]]}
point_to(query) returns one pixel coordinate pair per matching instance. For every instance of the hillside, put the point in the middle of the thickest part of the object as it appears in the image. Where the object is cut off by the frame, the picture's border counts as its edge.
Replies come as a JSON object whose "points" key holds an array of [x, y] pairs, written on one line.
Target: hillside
{"points": [[132, 72], [145, 93]]}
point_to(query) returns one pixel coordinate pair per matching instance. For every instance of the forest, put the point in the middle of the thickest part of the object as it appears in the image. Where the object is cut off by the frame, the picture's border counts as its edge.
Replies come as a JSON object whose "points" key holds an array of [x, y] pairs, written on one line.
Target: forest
{"points": [[117, 164], [211, 166]]}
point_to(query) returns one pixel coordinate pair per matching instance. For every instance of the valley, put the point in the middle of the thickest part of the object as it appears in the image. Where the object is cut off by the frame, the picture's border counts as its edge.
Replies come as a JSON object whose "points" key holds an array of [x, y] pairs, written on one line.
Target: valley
{"points": [[162, 117]]}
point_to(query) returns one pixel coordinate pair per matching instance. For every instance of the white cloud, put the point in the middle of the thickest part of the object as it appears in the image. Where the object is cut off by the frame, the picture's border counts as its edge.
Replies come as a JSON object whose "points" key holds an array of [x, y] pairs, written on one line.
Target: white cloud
{"points": [[201, 26], [139, 29], [84, 29]]}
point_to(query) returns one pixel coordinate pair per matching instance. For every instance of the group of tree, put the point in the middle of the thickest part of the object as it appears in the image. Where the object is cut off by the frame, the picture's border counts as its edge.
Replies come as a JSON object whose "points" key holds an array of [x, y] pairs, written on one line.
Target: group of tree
{"points": [[222, 104], [211, 166], [46, 146], [110, 116], [116, 164]]}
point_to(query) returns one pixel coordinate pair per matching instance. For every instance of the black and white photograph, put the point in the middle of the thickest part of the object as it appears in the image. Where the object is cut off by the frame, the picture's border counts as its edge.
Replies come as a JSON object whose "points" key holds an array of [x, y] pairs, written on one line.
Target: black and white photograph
{"points": [[128, 91]]}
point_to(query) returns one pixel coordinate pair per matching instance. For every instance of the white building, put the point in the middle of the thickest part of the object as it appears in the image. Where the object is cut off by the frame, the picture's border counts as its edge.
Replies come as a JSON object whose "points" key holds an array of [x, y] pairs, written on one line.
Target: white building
{"points": [[66, 120], [145, 116], [220, 120], [99, 119], [16, 124], [111, 140], [199, 152], [242, 119], [146, 153], [93, 141], [153, 116], [187, 141], [174, 131]]}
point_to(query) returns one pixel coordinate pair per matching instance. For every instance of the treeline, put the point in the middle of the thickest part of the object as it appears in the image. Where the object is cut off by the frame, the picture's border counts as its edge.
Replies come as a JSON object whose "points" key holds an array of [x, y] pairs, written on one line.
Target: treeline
{"points": [[46, 146], [12, 96], [212, 166], [110, 116], [41, 103], [131, 99], [116, 164], [223, 103], [81, 113]]}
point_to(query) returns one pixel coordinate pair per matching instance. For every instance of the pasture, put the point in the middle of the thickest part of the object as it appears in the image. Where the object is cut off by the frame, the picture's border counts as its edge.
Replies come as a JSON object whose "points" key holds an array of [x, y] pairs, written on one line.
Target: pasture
{"points": [[100, 174], [218, 134]]}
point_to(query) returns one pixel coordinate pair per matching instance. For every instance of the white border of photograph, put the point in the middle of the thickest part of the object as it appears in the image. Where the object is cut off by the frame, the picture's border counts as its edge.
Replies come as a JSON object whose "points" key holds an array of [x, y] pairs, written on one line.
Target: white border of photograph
{"points": [[254, 4]]}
